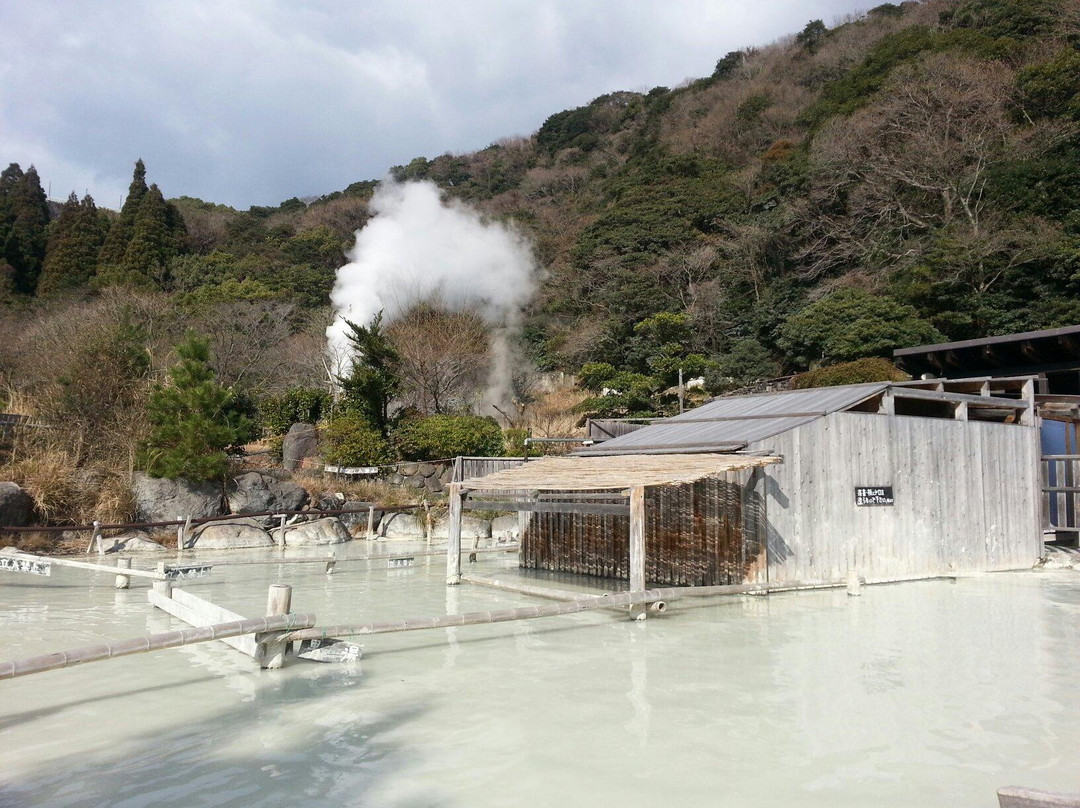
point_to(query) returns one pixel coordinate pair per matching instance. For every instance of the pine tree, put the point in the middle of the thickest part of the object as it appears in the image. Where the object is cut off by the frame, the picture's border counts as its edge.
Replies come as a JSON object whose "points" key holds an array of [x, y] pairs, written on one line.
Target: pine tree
{"points": [[74, 242], [116, 243], [24, 227], [193, 419], [374, 379]]}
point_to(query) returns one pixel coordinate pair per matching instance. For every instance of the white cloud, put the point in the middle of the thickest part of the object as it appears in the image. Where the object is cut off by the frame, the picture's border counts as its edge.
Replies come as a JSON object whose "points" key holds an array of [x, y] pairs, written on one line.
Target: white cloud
{"points": [[252, 102]]}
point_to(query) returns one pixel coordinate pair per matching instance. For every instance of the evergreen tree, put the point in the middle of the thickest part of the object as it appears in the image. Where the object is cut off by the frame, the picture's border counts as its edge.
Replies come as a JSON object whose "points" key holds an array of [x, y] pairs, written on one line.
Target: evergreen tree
{"points": [[374, 379], [24, 222], [193, 419], [152, 242], [74, 242], [116, 243]]}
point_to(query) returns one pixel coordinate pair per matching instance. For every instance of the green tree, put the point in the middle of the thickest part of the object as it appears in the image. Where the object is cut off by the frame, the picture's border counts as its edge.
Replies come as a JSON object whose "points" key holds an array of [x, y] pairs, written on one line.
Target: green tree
{"points": [[193, 419], [24, 221], [850, 324], [438, 437], [349, 440], [116, 242], [74, 242], [373, 380], [153, 245], [812, 37]]}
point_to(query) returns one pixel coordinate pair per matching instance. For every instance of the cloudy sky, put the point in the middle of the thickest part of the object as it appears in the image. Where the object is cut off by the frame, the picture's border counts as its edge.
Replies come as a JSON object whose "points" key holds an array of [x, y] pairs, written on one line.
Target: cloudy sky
{"points": [[255, 101]]}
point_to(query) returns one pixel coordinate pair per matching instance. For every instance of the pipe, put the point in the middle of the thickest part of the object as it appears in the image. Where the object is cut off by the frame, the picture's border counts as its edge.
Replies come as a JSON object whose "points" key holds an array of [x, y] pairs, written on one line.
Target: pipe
{"points": [[153, 642]]}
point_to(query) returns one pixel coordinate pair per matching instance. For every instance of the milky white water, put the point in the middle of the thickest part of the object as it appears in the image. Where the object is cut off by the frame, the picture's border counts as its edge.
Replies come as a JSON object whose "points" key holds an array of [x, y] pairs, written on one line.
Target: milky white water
{"points": [[917, 694]]}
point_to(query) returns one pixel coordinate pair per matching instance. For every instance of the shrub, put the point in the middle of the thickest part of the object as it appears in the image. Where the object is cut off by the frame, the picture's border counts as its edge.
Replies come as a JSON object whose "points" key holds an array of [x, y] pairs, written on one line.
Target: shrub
{"points": [[850, 324], [306, 405], [871, 369], [349, 440], [441, 436]]}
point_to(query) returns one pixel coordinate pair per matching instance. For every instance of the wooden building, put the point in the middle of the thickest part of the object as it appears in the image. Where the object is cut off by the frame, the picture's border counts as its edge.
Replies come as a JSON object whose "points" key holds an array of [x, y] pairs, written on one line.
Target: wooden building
{"points": [[892, 481]]}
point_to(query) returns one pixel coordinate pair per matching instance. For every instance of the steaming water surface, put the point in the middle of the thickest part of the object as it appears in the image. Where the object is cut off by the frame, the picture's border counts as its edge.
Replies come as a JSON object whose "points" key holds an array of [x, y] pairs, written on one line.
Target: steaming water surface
{"points": [[931, 693]]}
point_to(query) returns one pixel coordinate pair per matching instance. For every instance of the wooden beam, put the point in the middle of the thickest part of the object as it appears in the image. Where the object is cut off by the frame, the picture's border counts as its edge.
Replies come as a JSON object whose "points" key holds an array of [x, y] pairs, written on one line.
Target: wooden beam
{"points": [[1019, 797], [992, 402], [637, 545], [85, 565], [271, 648], [961, 411], [197, 612], [453, 544], [533, 506], [1028, 416], [888, 404]]}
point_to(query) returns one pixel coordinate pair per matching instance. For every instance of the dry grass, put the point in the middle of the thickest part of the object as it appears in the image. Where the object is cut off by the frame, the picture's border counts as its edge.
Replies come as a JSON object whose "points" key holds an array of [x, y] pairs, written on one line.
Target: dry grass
{"points": [[319, 486]]}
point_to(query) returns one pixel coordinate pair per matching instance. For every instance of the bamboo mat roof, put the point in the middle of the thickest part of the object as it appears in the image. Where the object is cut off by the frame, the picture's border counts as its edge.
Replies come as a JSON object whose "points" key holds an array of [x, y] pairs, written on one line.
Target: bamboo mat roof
{"points": [[605, 473]]}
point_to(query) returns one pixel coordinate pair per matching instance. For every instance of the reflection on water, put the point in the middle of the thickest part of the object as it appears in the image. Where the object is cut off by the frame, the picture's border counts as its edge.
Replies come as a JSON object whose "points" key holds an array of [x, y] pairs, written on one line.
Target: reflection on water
{"points": [[931, 693]]}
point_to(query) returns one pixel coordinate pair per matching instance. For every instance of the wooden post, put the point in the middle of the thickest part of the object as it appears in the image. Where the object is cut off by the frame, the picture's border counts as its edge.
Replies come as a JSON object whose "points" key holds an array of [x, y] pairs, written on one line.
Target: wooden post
{"points": [[163, 587], [95, 537], [637, 546], [854, 585], [271, 654], [182, 532], [123, 581], [370, 522], [888, 404], [330, 566], [961, 411], [1028, 416], [453, 542]]}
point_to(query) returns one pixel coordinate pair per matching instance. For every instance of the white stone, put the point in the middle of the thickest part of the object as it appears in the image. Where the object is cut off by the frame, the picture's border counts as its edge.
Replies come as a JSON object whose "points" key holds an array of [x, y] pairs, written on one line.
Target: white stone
{"points": [[233, 534], [505, 527], [471, 528], [307, 534], [402, 526]]}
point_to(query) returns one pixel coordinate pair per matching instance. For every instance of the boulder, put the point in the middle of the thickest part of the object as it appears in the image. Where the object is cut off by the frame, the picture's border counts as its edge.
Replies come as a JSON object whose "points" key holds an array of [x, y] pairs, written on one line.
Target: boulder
{"points": [[301, 442], [135, 542], [15, 506], [306, 534], [233, 534], [426, 469], [505, 527], [402, 526], [356, 522], [433, 484], [330, 502], [254, 493], [161, 500], [471, 528], [407, 469]]}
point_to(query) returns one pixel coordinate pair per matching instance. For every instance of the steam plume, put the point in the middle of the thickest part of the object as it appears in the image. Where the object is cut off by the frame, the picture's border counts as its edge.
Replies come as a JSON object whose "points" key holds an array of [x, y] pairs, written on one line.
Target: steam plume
{"points": [[419, 247]]}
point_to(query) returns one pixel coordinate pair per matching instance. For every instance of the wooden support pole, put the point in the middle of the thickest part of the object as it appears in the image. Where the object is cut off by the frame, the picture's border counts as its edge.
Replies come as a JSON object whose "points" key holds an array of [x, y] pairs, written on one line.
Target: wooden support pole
{"points": [[854, 584], [1028, 417], [271, 650], [123, 581], [453, 543], [637, 545], [153, 642], [961, 411], [163, 587], [370, 522], [95, 538]]}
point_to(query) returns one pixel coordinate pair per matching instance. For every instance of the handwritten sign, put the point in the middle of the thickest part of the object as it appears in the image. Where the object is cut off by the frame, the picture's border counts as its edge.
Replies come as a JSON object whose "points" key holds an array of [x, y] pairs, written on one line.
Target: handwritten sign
{"points": [[877, 495], [27, 565], [184, 571], [401, 562]]}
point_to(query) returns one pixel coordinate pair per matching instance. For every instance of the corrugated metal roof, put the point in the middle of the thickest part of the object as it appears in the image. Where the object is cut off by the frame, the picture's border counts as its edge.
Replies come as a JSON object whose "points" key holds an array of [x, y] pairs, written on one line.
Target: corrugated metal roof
{"points": [[728, 424]]}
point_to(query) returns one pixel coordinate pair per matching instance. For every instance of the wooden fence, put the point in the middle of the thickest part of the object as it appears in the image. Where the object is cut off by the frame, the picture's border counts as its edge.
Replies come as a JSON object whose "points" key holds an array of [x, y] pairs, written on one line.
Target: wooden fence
{"points": [[1060, 486], [467, 468]]}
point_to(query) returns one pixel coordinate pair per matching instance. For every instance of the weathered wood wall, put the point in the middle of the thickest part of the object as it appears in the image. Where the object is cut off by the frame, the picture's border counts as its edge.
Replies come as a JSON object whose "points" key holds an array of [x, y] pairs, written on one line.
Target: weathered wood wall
{"points": [[705, 534], [967, 498]]}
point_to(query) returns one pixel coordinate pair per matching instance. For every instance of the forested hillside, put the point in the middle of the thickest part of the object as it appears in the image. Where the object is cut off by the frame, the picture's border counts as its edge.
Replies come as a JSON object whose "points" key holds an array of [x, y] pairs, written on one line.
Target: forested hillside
{"points": [[906, 176]]}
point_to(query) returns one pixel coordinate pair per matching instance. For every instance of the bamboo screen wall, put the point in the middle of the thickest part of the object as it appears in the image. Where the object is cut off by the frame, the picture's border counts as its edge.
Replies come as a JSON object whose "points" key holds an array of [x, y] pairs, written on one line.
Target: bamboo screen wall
{"points": [[705, 533]]}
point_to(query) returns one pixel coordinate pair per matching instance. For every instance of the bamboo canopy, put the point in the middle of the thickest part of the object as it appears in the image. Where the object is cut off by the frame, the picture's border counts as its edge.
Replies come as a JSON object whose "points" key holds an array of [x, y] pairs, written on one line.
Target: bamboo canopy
{"points": [[616, 472]]}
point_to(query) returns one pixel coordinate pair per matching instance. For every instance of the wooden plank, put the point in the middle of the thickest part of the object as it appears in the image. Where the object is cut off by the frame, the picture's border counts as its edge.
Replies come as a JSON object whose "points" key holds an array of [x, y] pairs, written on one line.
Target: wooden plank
{"points": [[200, 613], [955, 398], [1019, 797], [83, 565], [637, 543], [453, 544]]}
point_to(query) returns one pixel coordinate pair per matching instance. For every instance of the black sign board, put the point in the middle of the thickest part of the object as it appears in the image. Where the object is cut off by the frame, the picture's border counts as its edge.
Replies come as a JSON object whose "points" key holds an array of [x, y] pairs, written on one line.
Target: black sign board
{"points": [[28, 565], [181, 571], [874, 495]]}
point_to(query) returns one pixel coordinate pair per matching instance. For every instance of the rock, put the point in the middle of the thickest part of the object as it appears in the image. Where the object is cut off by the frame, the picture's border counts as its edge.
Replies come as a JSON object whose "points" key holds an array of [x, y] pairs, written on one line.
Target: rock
{"points": [[15, 506], [301, 442], [356, 522], [414, 482], [447, 474], [306, 534], [407, 469], [161, 500], [505, 527], [1060, 558], [232, 534], [426, 469], [402, 526], [254, 493], [433, 484], [136, 542], [395, 479], [471, 528], [330, 502]]}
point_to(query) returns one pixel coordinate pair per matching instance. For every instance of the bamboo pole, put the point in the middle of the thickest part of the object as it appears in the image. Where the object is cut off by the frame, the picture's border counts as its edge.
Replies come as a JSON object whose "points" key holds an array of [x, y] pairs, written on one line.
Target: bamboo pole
{"points": [[453, 541], [608, 601], [152, 642]]}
